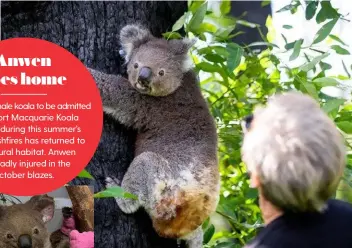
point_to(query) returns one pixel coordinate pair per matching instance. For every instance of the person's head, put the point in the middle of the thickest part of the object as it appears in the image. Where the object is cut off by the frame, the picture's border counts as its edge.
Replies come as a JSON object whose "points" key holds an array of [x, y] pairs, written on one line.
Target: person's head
{"points": [[294, 153]]}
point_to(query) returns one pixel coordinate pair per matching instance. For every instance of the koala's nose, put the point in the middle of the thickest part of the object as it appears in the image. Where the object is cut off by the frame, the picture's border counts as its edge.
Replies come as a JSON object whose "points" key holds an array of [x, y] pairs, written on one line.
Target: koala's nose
{"points": [[25, 241], [145, 74]]}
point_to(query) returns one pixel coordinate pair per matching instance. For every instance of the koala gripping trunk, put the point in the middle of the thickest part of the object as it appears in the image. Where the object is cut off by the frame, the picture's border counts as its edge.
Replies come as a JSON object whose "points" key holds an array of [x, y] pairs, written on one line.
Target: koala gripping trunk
{"points": [[192, 208]]}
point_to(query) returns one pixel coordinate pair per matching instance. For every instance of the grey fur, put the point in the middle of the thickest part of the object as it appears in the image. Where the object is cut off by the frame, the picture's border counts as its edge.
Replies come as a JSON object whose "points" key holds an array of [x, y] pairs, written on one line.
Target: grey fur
{"points": [[26, 219], [175, 170]]}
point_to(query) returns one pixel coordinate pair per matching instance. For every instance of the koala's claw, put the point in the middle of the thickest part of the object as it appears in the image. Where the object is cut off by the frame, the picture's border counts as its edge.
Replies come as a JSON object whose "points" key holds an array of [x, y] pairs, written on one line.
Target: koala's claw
{"points": [[111, 182]]}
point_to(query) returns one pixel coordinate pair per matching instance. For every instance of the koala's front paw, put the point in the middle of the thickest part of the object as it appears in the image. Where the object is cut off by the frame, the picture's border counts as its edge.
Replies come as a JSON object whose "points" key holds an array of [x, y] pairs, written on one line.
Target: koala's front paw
{"points": [[127, 206], [111, 182]]}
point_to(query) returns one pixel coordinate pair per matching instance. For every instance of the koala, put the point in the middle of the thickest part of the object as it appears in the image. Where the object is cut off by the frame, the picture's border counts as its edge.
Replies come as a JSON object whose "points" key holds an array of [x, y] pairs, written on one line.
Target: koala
{"points": [[23, 225], [175, 170]]}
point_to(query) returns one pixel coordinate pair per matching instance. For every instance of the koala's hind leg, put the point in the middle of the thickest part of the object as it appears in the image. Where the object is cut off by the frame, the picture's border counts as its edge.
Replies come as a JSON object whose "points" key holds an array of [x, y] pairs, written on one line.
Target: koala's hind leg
{"points": [[195, 239], [138, 180]]}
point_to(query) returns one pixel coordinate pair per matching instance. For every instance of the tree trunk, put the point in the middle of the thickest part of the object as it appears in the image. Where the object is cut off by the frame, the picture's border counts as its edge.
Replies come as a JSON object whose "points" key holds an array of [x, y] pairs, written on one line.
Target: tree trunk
{"points": [[83, 207], [90, 31]]}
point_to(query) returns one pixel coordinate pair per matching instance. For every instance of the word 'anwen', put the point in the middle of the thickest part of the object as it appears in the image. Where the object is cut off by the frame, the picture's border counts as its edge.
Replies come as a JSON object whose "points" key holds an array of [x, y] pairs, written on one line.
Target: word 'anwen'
{"points": [[24, 61]]}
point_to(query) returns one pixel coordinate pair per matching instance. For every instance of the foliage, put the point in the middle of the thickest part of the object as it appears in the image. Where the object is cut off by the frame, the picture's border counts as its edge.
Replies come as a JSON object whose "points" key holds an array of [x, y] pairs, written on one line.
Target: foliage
{"points": [[115, 192], [234, 79], [85, 174]]}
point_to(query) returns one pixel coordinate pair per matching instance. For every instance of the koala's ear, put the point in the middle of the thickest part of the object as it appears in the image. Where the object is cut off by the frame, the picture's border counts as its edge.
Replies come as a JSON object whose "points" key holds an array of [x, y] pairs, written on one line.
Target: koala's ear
{"points": [[180, 47], [44, 204], [131, 37]]}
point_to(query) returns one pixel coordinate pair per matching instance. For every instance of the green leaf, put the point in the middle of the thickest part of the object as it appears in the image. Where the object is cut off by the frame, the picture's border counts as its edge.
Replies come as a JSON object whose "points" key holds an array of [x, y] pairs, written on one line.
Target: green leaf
{"points": [[309, 66], [223, 22], [340, 50], [325, 81], [265, 3], [324, 66], [207, 67], [208, 234], [274, 59], [262, 43], [198, 17], [284, 37], [324, 31], [310, 89], [287, 26], [236, 34], [345, 126], [214, 58], [290, 45], [251, 193], [285, 8], [334, 37], [296, 49], [222, 51], [195, 5], [311, 9], [206, 223], [345, 68], [172, 35], [225, 245], [292, 7], [225, 7], [204, 50], [235, 55], [317, 50], [207, 27], [247, 23], [333, 105], [115, 192], [85, 174], [179, 23], [326, 12]]}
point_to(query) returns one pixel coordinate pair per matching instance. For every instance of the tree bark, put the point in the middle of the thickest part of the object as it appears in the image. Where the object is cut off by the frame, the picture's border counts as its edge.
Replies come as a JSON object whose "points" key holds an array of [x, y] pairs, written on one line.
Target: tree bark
{"points": [[83, 207], [90, 31]]}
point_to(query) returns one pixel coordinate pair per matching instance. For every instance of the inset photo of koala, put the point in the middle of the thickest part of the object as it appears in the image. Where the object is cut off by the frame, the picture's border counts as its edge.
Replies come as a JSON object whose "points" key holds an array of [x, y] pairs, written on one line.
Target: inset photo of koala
{"points": [[63, 218]]}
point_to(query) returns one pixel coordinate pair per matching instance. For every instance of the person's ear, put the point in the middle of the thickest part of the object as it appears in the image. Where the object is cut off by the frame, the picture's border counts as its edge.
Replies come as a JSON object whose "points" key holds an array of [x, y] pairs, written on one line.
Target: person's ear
{"points": [[254, 180]]}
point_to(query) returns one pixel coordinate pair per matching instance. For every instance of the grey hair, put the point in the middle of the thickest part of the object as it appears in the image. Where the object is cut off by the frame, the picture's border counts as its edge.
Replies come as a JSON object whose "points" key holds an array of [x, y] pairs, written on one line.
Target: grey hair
{"points": [[297, 152]]}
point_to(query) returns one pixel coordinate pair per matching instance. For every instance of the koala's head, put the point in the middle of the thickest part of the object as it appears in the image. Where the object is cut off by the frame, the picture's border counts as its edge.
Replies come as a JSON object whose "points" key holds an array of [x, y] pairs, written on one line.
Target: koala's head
{"points": [[155, 66], [23, 225]]}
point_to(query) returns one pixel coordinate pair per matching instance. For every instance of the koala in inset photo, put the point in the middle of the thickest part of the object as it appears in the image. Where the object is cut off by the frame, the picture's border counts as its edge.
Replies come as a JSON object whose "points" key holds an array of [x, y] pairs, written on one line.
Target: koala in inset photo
{"points": [[175, 170], [23, 225]]}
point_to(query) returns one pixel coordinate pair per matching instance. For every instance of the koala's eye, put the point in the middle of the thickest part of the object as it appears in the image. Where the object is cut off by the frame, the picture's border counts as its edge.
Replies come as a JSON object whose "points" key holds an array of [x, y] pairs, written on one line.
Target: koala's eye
{"points": [[135, 65], [161, 73], [36, 231], [9, 236]]}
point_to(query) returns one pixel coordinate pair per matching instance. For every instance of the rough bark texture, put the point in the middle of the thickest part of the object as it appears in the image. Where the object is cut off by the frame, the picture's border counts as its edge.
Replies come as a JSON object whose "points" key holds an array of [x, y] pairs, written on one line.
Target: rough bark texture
{"points": [[90, 30], [83, 207]]}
